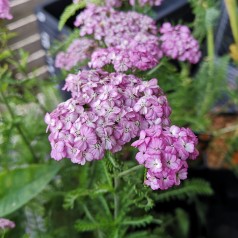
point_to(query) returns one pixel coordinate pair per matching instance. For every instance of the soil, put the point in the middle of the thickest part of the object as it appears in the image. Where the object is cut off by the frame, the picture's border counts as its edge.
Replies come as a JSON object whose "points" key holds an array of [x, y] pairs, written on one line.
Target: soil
{"points": [[216, 146]]}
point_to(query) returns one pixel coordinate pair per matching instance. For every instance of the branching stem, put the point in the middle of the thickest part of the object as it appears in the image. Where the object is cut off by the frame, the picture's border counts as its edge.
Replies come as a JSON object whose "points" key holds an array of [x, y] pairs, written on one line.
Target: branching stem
{"points": [[126, 172]]}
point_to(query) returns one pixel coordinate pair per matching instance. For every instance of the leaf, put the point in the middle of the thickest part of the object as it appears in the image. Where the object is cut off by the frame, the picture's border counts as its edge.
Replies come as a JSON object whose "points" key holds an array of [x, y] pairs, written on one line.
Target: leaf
{"points": [[141, 222], [142, 234], [69, 12], [72, 196], [82, 225], [21, 185], [183, 223], [5, 54], [189, 188], [85, 225]]}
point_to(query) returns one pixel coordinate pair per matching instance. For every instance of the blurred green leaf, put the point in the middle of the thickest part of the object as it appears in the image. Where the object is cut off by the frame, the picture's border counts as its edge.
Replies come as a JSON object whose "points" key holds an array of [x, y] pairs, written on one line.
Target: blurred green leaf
{"points": [[5, 54], [20, 185]]}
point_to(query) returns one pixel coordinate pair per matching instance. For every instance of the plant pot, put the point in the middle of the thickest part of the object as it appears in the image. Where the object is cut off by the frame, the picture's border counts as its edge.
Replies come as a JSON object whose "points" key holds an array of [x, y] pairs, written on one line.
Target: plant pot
{"points": [[222, 206], [48, 15], [173, 11]]}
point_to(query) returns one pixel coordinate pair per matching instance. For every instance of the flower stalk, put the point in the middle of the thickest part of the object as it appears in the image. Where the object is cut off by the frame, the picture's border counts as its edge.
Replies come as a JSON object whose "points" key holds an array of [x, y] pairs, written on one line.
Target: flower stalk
{"points": [[126, 172]]}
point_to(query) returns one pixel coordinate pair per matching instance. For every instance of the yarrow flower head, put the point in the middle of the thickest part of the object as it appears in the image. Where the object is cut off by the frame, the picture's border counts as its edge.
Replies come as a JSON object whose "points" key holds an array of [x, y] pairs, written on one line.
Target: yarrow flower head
{"points": [[106, 111], [146, 2], [178, 43], [141, 53], [130, 38], [113, 27], [5, 10], [78, 51], [6, 224], [118, 3], [164, 151]]}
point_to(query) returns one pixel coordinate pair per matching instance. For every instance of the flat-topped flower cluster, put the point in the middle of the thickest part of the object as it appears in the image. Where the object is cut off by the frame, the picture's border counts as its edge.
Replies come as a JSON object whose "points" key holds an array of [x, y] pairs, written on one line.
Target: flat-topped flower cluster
{"points": [[164, 151], [78, 51], [105, 112], [178, 43]]}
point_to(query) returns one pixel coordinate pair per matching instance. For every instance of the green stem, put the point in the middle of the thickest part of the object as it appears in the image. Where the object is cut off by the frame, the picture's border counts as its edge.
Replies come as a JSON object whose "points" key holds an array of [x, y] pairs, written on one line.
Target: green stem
{"points": [[154, 69], [21, 133], [90, 217], [116, 198], [105, 205], [210, 49], [112, 160], [88, 214], [115, 195], [126, 172], [3, 234], [107, 174]]}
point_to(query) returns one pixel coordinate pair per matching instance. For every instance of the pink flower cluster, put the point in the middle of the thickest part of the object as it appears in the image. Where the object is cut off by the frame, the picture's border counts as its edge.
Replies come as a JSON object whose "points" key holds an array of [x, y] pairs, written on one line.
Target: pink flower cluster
{"points": [[79, 51], [141, 53], [164, 151], [6, 224], [113, 3], [113, 27], [131, 38], [118, 3], [105, 112], [178, 43], [146, 2], [5, 10]]}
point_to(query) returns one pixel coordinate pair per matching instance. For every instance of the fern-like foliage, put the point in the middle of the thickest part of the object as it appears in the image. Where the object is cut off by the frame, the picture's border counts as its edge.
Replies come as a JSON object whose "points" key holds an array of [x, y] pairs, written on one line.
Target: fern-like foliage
{"points": [[188, 189], [86, 225], [200, 11], [72, 196], [140, 222], [69, 12], [73, 8]]}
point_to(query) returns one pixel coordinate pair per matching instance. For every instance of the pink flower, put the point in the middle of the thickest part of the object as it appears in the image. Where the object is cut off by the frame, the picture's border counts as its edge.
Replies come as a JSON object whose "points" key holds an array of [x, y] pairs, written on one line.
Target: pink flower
{"points": [[86, 138], [152, 181], [156, 146], [154, 163], [171, 161], [58, 150], [97, 151], [5, 10], [166, 179], [6, 224]]}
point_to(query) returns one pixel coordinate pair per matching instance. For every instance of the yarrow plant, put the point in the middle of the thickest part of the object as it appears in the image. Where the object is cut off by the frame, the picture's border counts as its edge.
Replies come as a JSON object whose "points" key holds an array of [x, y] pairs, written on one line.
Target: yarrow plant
{"points": [[108, 110]]}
